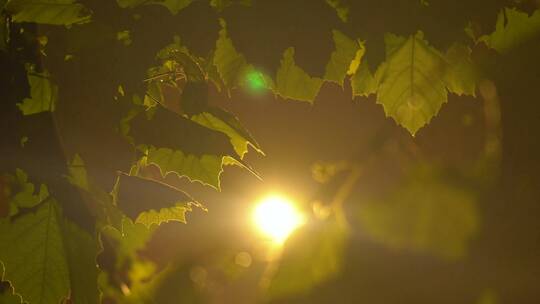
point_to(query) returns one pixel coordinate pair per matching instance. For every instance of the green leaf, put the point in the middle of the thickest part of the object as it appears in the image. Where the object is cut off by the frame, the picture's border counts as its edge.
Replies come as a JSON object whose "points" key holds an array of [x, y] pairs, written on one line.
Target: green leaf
{"points": [[342, 57], [205, 169], [363, 82], [512, 29], [55, 12], [81, 251], [312, 256], [341, 10], [412, 89], [224, 122], [220, 5], [175, 213], [139, 198], [97, 200], [177, 144], [23, 196], [231, 65], [43, 92], [424, 215], [130, 238], [41, 258], [292, 82], [460, 75]]}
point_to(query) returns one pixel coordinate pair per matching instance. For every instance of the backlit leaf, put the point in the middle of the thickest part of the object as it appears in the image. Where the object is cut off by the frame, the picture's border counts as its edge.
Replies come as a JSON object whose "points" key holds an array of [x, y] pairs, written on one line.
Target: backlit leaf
{"points": [[293, 83], [43, 94], [23, 193], [460, 75], [412, 89], [341, 58], [177, 144], [363, 82], [204, 168], [150, 202], [223, 121], [512, 29], [312, 256], [425, 215], [40, 254], [55, 12], [175, 213], [230, 64]]}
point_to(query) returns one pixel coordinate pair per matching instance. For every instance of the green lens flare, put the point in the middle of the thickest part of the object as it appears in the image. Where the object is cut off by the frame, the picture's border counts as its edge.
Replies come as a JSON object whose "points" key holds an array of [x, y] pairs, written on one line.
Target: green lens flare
{"points": [[255, 81]]}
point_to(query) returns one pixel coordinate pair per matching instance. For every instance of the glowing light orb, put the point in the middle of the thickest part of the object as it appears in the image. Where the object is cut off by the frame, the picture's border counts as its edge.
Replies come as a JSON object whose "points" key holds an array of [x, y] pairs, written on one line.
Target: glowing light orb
{"points": [[255, 81], [276, 217]]}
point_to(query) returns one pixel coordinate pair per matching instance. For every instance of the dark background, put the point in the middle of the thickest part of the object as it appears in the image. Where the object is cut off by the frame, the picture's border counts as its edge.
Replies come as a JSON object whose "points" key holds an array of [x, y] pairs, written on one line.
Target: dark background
{"points": [[504, 257]]}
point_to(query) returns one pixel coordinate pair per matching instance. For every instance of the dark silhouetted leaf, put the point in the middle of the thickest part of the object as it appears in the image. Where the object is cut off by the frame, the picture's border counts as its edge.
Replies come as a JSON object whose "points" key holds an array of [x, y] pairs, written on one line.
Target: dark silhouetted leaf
{"points": [[43, 94], [135, 195], [41, 258], [312, 256]]}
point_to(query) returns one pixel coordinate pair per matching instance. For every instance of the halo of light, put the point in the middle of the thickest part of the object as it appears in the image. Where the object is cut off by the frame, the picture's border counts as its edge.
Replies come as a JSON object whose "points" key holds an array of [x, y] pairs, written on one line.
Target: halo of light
{"points": [[276, 217]]}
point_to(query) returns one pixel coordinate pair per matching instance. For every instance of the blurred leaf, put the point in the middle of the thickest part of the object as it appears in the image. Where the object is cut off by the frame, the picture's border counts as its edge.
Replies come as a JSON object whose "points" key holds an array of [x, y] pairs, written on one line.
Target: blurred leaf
{"points": [[425, 215], [150, 202], [7, 296], [313, 255], [411, 90], [128, 239], [488, 297], [174, 6], [512, 29], [292, 82], [341, 10], [460, 75], [220, 5], [55, 12], [38, 251], [342, 58], [43, 92]]}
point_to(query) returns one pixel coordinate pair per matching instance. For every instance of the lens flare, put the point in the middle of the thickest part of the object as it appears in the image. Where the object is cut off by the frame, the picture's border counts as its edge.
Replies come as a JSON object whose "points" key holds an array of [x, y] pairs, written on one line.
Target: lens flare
{"points": [[255, 81], [276, 217]]}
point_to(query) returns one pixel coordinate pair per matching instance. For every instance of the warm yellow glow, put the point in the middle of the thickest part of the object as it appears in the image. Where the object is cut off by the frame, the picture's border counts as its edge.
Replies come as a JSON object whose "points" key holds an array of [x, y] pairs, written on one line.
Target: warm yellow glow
{"points": [[276, 217]]}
